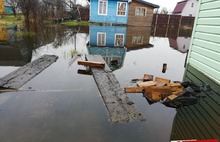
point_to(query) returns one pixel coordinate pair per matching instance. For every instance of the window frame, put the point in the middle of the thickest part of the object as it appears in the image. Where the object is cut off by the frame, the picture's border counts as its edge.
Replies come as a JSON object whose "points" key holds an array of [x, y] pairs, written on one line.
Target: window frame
{"points": [[117, 11], [123, 39], [103, 40], [103, 12], [137, 39], [140, 10]]}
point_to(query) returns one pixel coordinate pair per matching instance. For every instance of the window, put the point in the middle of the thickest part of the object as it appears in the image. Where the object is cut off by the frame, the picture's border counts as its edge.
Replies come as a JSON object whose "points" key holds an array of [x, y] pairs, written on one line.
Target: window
{"points": [[140, 11], [137, 40], [119, 40], [101, 39], [192, 5], [103, 5], [121, 10]]}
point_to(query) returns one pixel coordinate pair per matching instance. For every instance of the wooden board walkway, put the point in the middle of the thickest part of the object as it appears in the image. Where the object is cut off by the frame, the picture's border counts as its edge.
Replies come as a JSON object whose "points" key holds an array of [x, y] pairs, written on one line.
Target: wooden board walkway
{"points": [[120, 107], [19, 77]]}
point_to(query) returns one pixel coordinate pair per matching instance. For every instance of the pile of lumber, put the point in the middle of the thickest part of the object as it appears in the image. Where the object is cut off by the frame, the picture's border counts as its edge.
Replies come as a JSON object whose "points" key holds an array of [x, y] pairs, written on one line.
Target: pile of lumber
{"points": [[157, 89]]}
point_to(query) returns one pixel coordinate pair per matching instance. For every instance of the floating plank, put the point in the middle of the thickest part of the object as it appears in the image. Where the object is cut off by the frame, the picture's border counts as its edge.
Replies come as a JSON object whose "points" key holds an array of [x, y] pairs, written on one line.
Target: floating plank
{"points": [[164, 80], [148, 77], [92, 64], [132, 89], [119, 106], [146, 84], [19, 77]]}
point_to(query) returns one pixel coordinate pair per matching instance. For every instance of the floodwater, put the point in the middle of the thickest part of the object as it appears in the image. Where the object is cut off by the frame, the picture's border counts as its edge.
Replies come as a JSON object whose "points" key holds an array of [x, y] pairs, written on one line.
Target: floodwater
{"points": [[61, 105]]}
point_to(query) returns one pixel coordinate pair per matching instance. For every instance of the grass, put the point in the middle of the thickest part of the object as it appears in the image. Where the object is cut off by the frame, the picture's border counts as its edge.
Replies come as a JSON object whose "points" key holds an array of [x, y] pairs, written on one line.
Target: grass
{"points": [[11, 20], [22, 34], [76, 23]]}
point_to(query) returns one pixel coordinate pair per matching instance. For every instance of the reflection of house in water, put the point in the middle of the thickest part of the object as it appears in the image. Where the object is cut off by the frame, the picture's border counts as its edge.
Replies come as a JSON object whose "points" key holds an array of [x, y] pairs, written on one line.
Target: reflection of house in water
{"points": [[9, 54], [113, 56], [137, 38], [180, 43], [108, 41], [3, 34], [12, 56], [202, 120]]}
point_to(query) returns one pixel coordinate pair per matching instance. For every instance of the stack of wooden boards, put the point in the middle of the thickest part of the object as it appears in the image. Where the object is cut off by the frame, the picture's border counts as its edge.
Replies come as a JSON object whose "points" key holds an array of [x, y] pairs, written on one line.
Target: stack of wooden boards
{"points": [[157, 89]]}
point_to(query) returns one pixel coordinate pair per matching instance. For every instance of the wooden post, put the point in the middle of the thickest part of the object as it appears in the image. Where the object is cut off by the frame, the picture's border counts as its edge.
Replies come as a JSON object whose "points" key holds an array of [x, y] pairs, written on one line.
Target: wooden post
{"points": [[179, 25], [168, 25], [92, 64], [155, 25]]}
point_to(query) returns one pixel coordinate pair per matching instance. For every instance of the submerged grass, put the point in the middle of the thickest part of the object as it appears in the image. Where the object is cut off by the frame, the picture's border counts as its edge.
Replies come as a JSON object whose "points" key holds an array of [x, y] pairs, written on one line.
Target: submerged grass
{"points": [[12, 20], [24, 33], [76, 23]]}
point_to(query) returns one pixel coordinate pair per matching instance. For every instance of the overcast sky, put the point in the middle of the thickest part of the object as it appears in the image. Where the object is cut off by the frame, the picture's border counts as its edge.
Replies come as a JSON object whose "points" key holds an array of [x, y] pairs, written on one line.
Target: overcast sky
{"points": [[169, 4]]}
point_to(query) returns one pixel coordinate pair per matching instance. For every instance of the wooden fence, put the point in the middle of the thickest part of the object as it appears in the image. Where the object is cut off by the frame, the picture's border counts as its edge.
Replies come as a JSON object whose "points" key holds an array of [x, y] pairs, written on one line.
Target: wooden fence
{"points": [[170, 25]]}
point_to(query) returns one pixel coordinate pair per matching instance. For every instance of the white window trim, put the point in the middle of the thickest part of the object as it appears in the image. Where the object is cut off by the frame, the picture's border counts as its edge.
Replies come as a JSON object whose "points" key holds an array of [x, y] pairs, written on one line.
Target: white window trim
{"points": [[141, 42], [125, 9], [106, 7], [123, 39], [98, 33], [141, 9]]}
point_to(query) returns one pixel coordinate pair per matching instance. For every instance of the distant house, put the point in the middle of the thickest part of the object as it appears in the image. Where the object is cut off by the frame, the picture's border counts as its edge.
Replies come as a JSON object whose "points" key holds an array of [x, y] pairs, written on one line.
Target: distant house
{"points": [[204, 53], [8, 10], [141, 13], [186, 8], [131, 12]]}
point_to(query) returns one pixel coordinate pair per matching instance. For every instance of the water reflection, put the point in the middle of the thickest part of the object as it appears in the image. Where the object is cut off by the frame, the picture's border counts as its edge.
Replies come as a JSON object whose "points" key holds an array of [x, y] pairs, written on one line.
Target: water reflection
{"points": [[180, 43], [112, 42], [66, 105], [202, 120]]}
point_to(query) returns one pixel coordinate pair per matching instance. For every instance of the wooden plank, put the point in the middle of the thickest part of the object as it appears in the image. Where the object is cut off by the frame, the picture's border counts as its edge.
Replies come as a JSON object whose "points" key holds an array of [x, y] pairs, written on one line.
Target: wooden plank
{"points": [[146, 84], [119, 106], [91, 64], [19, 77], [164, 80], [131, 89], [98, 58]]}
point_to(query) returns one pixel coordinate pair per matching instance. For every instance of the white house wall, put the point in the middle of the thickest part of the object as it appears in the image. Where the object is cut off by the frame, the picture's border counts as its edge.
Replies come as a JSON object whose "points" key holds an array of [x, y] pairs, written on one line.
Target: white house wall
{"points": [[189, 10], [183, 43]]}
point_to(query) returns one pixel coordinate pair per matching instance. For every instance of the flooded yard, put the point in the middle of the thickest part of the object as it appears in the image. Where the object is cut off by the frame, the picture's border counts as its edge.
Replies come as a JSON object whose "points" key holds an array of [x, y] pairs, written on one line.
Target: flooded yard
{"points": [[60, 104]]}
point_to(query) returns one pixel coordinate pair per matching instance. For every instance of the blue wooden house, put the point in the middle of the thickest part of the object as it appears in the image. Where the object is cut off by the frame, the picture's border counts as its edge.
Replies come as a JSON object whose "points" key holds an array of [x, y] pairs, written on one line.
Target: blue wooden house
{"points": [[127, 12], [109, 11]]}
